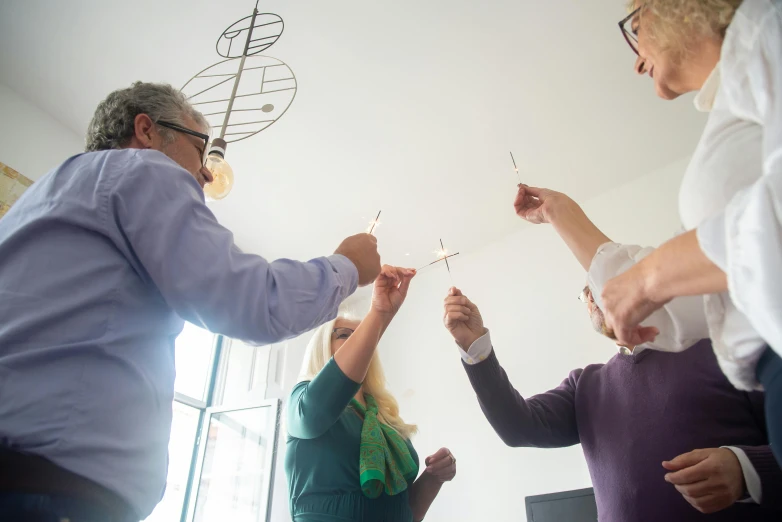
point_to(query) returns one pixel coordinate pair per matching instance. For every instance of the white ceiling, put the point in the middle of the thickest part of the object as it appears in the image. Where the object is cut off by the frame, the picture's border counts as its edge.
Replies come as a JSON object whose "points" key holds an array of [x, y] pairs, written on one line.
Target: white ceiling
{"points": [[406, 106]]}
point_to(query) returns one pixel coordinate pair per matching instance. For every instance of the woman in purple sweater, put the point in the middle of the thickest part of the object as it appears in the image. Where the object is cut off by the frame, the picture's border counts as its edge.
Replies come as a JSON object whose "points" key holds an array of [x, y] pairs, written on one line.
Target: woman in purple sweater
{"points": [[640, 409]]}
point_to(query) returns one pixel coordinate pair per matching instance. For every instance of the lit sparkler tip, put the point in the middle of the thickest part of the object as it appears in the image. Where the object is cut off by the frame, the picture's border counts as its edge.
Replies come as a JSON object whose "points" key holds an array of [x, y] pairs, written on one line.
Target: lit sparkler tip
{"points": [[443, 252], [515, 167], [372, 226], [374, 223]]}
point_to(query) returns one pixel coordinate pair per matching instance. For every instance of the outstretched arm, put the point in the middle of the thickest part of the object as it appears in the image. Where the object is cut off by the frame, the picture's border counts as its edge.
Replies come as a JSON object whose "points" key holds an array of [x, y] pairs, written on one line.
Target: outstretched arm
{"points": [[678, 324], [582, 237], [316, 405], [547, 420]]}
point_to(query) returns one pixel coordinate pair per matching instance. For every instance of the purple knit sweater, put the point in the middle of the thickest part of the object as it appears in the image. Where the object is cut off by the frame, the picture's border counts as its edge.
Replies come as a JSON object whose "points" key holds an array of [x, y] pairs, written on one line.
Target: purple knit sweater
{"points": [[631, 414]]}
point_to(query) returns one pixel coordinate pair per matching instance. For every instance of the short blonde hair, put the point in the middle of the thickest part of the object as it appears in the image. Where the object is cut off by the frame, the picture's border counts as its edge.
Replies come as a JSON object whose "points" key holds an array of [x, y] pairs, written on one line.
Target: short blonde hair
{"points": [[677, 23], [319, 353]]}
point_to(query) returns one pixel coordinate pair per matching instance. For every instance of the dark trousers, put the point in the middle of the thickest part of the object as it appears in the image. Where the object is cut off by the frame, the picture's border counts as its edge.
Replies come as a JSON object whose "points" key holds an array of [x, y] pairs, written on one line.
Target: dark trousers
{"points": [[33, 489], [769, 373], [29, 507]]}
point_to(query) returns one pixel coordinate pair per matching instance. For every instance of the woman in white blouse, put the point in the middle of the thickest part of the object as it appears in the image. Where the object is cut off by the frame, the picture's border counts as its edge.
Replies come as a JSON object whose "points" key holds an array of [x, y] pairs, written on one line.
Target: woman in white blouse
{"points": [[730, 200]]}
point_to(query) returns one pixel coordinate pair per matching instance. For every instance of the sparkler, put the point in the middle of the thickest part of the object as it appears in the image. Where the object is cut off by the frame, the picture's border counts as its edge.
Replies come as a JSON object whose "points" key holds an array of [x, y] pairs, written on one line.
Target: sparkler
{"points": [[515, 167], [439, 260], [374, 223], [442, 255], [445, 257]]}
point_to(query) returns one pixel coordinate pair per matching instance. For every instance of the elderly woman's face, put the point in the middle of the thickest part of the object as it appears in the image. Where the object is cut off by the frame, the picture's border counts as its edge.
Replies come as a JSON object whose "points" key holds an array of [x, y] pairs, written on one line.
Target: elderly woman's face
{"points": [[343, 329], [665, 71], [674, 73]]}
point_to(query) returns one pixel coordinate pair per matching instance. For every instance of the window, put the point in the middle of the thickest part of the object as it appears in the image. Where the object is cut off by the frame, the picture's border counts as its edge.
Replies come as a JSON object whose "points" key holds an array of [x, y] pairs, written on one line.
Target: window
{"points": [[194, 352], [184, 429], [223, 433], [237, 463], [244, 375]]}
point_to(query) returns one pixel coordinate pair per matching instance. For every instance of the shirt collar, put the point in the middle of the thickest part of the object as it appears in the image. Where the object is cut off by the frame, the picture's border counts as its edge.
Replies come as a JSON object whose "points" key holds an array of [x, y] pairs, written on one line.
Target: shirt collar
{"points": [[634, 351], [704, 101]]}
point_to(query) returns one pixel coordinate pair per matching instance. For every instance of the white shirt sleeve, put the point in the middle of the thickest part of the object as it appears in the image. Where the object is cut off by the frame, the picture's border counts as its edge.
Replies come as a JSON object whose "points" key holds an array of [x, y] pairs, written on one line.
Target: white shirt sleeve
{"points": [[745, 240], [681, 322], [751, 476], [478, 351]]}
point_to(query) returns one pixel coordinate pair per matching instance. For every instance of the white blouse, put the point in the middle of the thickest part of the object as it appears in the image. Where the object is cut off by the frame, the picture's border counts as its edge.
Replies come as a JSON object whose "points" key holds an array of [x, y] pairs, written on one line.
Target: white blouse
{"points": [[681, 321], [732, 191], [732, 195]]}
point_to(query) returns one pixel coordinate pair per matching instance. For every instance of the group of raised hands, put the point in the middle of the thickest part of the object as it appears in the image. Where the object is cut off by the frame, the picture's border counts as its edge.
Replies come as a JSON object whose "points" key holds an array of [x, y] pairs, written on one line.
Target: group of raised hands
{"points": [[391, 283], [624, 309]]}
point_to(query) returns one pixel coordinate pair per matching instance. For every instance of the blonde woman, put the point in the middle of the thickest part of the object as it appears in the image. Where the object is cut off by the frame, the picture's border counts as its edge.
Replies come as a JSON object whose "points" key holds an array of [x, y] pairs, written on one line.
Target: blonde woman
{"points": [[349, 456]]}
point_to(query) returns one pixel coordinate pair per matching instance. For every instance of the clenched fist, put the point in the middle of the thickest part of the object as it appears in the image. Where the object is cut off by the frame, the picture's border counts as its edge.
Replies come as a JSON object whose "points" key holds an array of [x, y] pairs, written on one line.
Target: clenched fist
{"points": [[361, 249], [463, 319]]}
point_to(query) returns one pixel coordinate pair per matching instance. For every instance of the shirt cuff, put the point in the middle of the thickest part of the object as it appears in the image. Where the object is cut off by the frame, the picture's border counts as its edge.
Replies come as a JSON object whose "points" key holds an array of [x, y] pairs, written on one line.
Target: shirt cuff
{"points": [[346, 272], [751, 476], [478, 351], [610, 260]]}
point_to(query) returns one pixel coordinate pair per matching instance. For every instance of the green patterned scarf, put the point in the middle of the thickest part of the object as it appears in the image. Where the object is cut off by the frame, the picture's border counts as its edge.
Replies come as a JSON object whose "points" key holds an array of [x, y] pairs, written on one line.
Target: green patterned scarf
{"points": [[385, 462]]}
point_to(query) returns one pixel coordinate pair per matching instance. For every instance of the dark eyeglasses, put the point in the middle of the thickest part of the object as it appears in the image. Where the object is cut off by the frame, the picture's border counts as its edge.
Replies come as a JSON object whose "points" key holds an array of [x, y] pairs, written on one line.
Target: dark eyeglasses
{"points": [[342, 333], [179, 128], [630, 34]]}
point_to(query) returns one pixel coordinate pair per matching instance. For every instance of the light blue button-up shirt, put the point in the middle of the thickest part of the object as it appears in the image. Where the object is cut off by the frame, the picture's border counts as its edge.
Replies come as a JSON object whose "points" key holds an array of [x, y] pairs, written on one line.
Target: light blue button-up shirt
{"points": [[100, 262]]}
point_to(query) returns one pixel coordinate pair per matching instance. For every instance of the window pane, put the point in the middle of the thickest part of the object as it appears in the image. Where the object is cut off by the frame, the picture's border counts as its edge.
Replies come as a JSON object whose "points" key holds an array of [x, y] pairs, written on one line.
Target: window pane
{"points": [[246, 371], [180, 455], [194, 348], [233, 484]]}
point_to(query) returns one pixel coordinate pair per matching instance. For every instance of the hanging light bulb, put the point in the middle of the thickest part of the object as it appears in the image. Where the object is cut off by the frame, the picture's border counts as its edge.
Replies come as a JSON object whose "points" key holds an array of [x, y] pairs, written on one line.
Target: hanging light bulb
{"points": [[221, 171]]}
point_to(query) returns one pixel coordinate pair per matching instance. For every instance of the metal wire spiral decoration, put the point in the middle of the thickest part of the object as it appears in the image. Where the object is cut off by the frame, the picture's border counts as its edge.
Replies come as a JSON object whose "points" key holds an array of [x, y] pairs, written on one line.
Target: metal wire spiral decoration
{"points": [[247, 92]]}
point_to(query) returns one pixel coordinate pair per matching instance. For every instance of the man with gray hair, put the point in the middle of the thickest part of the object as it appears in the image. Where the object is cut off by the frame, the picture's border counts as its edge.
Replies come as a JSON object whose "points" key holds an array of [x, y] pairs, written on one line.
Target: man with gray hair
{"points": [[102, 259]]}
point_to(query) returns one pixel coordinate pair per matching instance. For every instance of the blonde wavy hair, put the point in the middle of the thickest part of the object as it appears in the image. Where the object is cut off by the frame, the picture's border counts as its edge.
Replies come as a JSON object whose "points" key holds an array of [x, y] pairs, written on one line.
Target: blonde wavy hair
{"points": [[676, 23], [319, 353]]}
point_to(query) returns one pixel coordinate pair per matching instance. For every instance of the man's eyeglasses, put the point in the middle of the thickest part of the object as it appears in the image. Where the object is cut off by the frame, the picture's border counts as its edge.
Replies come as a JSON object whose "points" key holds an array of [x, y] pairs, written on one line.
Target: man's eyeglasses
{"points": [[630, 34], [179, 128], [342, 333]]}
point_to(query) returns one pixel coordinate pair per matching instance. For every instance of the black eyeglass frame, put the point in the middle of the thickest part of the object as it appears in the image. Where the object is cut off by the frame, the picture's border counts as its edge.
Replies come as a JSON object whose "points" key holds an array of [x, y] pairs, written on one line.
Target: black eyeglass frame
{"points": [[179, 128], [629, 37]]}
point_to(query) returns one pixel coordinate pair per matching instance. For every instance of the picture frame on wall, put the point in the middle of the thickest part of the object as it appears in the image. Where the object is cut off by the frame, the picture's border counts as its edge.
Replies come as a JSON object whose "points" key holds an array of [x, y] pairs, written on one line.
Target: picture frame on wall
{"points": [[12, 186]]}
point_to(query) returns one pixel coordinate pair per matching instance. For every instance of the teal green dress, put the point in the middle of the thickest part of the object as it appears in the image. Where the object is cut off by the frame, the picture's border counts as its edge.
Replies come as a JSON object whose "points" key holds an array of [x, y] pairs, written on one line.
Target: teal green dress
{"points": [[322, 456]]}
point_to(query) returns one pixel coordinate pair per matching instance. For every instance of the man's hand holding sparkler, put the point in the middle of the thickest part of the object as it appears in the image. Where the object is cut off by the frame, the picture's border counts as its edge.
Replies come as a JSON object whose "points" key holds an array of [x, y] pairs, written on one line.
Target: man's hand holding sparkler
{"points": [[361, 250], [463, 319]]}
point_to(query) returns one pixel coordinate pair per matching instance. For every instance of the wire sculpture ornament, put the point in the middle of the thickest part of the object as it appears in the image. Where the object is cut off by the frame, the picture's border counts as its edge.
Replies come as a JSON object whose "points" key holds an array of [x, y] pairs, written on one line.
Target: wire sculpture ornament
{"points": [[247, 92]]}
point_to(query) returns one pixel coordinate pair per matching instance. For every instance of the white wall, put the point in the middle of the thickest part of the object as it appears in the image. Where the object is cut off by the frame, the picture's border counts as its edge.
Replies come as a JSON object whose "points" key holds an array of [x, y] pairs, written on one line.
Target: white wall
{"points": [[33, 142], [527, 287]]}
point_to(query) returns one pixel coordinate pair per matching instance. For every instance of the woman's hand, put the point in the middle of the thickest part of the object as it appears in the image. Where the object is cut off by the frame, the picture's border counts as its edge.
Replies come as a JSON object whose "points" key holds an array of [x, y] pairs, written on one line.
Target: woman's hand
{"points": [[627, 303], [440, 468], [539, 205], [676, 268], [391, 288], [441, 465]]}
